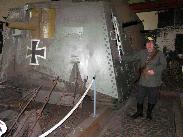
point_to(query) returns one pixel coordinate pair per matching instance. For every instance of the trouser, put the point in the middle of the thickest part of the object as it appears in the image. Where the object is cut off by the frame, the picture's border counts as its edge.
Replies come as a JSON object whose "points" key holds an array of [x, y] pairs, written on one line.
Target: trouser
{"points": [[151, 92]]}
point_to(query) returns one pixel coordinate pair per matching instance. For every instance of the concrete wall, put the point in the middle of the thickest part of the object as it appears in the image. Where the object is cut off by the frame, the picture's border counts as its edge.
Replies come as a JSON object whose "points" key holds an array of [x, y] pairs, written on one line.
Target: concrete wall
{"points": [[126, 15], [150, 19], [167, 36]]}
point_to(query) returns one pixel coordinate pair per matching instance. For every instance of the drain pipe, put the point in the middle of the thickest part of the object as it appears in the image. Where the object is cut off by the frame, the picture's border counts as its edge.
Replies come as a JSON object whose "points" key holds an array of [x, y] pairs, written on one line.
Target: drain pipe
{"points": [[94, 94]]}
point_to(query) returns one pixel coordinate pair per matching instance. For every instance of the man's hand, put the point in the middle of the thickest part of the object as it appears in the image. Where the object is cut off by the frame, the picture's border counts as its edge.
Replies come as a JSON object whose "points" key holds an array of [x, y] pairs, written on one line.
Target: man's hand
{"points": [[148, 72]]}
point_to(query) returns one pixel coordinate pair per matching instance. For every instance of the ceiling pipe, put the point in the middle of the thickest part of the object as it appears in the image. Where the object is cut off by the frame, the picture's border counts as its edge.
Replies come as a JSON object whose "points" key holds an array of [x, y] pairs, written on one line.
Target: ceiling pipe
{"points": [[155, 6]]}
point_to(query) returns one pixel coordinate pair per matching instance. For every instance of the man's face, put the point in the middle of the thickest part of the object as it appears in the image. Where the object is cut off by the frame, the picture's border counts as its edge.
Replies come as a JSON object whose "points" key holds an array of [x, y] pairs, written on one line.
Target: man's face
{"points": [[150, 46]]}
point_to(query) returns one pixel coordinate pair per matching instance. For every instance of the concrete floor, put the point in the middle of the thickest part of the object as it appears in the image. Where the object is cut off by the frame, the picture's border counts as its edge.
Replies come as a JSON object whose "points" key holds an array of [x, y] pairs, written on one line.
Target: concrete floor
{"points": [[165, 121]]}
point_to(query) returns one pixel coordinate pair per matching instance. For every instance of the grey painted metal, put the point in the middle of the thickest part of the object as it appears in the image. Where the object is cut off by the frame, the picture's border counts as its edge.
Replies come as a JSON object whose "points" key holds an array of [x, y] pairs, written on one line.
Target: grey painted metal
{"points": [[81, 36]]}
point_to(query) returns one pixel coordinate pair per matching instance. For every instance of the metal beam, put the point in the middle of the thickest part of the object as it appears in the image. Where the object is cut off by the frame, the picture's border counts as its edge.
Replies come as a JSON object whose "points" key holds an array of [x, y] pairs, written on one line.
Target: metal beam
{"points": [[154, 6]]}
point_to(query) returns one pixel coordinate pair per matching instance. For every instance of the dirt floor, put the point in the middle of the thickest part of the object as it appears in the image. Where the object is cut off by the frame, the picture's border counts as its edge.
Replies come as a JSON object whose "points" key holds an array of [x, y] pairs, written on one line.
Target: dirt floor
{"points": [[53, 114], [11, 104]]}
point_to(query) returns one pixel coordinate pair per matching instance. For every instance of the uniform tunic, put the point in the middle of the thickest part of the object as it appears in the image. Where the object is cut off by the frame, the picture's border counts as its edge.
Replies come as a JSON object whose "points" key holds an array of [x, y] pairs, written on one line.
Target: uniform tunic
{"points": [[158, 64]]}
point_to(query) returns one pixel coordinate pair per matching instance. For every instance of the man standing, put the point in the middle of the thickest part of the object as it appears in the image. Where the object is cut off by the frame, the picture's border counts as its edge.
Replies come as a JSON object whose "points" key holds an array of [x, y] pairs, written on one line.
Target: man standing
{"points": [[152, 62]]}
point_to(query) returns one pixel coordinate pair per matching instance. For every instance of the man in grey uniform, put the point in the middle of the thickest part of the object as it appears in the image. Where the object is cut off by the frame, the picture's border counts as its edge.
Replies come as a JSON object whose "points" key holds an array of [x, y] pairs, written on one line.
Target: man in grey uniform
{"points": [[152, 62]]}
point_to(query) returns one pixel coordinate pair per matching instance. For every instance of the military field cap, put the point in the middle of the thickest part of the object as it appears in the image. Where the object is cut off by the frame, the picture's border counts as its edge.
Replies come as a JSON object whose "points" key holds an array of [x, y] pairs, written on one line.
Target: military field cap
{"points": [[150, 39]]}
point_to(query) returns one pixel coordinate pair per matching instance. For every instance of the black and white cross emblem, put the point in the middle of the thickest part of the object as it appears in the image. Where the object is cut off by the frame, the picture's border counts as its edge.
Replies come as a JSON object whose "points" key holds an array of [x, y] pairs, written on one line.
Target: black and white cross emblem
{"points": [[34, 52]]}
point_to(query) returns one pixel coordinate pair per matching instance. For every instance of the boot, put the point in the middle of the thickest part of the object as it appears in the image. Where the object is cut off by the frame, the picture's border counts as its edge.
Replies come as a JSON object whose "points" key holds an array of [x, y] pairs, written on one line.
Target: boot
{"points": [[149, 111], [139, 112]]}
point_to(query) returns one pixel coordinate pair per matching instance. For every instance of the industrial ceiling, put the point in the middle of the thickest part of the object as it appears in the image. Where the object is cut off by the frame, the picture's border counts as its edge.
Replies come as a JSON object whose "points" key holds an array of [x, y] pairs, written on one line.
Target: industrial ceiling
{"points": [[154, 5]]}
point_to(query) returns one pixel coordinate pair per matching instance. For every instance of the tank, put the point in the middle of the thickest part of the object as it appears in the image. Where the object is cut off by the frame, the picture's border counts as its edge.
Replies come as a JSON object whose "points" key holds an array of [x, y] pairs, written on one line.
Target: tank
{"points": [[75, 41]]}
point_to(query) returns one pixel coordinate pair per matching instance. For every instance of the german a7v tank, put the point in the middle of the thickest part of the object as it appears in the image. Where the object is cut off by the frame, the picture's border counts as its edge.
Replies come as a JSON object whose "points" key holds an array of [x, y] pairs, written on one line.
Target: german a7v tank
{"points": [[75, 41]]}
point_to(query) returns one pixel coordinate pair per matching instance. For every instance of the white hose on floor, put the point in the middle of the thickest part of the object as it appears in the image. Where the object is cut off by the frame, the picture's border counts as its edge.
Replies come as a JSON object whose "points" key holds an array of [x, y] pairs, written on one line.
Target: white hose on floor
{"points": [[69, 114]]}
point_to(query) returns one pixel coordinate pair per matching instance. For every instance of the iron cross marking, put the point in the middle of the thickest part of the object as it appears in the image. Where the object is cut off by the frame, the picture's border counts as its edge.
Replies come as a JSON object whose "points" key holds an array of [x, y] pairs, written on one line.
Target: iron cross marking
{"points": [[34, 52]]}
